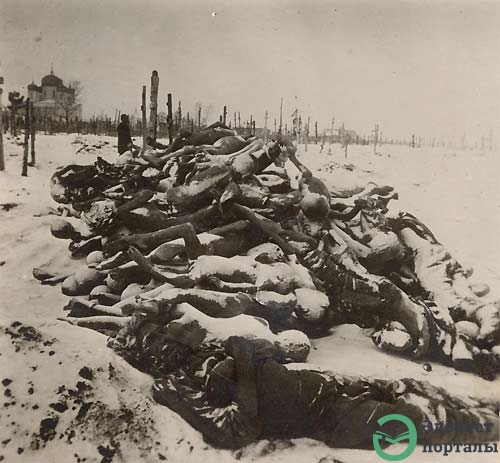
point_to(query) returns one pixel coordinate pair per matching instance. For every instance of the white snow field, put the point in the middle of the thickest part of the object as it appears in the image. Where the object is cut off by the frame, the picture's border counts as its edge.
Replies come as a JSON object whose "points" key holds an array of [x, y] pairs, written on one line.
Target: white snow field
{"points": [[109, 415]]}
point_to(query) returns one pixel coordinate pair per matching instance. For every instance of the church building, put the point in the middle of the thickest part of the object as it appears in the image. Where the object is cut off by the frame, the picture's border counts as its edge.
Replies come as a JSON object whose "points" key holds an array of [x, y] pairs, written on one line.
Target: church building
{"points": [[53, 100]]}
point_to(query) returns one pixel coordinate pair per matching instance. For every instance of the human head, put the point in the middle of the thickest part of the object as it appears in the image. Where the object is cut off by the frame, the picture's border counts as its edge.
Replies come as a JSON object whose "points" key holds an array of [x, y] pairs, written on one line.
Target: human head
{"points": [[293, 345], [124, 118], [144, 343], [267, 253], [314, 206], [312, 305]]}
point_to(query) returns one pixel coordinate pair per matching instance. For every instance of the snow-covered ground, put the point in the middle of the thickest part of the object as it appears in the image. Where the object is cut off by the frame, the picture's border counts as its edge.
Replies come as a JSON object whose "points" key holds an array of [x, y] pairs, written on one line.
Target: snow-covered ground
{"points": [[66, 397]]}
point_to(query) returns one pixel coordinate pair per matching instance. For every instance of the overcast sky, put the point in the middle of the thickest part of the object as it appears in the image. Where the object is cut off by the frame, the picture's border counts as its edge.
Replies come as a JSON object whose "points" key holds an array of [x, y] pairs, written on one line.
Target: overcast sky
{"points": [[432, 68]]}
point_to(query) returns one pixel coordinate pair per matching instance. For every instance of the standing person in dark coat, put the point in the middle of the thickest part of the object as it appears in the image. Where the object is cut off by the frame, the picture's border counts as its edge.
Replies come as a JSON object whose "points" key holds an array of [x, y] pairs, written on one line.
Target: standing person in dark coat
{"points": [[124, 138]]}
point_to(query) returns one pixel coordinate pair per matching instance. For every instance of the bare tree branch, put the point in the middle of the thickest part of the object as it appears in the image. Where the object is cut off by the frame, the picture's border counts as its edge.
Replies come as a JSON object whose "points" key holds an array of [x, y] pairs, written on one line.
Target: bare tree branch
{"points": [[70, 100]]}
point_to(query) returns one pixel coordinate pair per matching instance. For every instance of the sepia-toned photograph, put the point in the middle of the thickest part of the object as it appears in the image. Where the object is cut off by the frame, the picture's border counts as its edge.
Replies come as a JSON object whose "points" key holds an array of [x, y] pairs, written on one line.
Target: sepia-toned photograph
{"points": [[249, 230]]}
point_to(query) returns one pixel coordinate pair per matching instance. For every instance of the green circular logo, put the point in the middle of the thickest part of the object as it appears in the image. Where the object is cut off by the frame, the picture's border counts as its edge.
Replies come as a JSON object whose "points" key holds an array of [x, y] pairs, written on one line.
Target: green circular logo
{"points": [[410, 435]]}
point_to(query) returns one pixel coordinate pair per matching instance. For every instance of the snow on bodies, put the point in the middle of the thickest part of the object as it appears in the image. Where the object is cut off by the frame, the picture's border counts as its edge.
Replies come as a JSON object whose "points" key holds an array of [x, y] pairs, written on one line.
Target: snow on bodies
{"points": [[191, 327], [443, 276], [367, 254]]}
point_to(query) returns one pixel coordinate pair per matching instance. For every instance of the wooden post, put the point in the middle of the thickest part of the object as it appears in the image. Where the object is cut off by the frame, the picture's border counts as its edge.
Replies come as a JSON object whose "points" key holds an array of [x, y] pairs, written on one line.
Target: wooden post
{"points": [[33, 132], [199, 118], [316, 132], [239, 121], [153, 105], [235, 126], [281, 117], [24, 172], [307, 130], [144, 119], [224, 115], [375, 138], [331, 129], [299, 129], [169, 119], [266, 117], [275, 127], [413, 141], [13, 122], [253, 129], [2, 157], [251, 124]]}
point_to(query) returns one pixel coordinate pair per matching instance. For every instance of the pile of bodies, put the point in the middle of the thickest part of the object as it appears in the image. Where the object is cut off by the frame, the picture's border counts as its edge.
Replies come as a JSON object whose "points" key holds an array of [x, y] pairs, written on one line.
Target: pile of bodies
{"points": [[210, 271]]}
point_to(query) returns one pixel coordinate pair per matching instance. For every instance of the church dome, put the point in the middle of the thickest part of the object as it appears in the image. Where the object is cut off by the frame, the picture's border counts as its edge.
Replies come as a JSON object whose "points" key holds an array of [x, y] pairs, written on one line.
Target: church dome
{"points": [[34, 87], [51, 80]]}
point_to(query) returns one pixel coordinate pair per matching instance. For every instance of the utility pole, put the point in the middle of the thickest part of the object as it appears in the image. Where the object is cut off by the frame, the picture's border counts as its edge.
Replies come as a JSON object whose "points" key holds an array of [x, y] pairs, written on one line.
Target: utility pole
{"points": [[275, 127], [2, 158], [235, 126], [316, 132], [224, 117], [239, 121], [199, 118], [331, 128]]}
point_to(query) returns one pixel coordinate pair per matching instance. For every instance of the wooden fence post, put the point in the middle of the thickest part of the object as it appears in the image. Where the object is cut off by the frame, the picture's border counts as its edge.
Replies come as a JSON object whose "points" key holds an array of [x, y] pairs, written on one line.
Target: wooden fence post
{"points": [[266, 117], [307, 131], [33, 132], [24, 172], [153, 105], [224, 118], [144, 119], [281, 116], [2, 158], [169, 119]]}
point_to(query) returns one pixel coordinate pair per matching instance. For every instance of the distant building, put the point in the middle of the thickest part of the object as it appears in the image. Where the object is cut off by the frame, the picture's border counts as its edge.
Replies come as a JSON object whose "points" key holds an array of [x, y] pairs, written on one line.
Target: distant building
{"points": [[52, 98]]}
